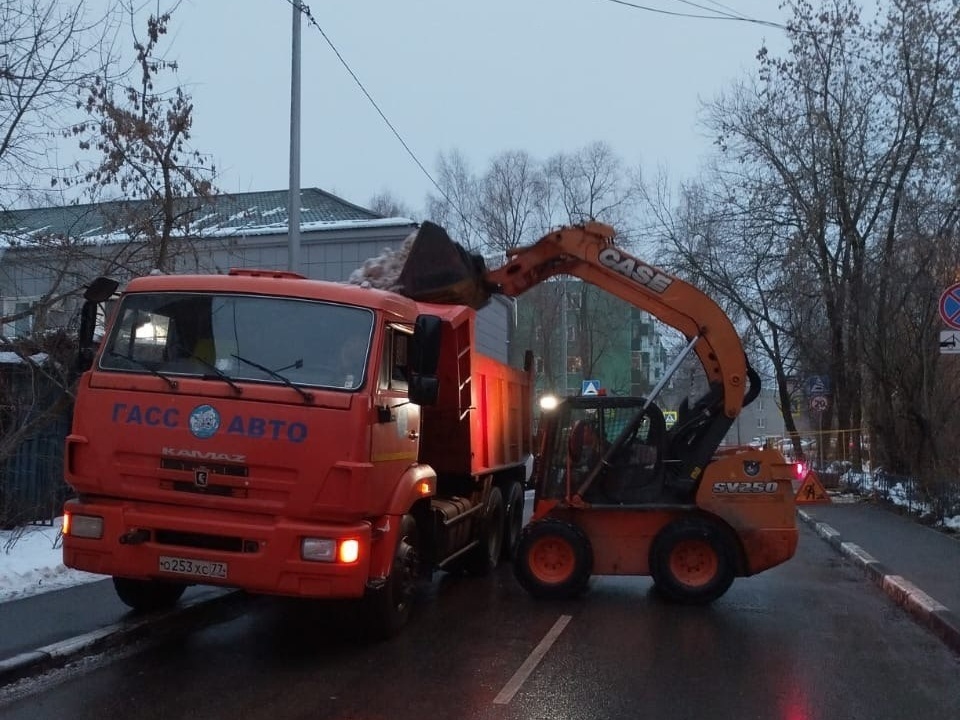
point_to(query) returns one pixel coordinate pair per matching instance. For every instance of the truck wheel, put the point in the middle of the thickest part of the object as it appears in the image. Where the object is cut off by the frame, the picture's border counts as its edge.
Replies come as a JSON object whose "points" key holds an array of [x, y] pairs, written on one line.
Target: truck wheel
{"points": [[485, 556], [692, 561], [513, 523], [389, 606], [148, 595], [554, 560]]}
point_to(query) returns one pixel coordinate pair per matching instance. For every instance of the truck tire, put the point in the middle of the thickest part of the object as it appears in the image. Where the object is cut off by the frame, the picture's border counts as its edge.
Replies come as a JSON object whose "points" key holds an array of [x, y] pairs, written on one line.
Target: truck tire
{"points": [[513, 521], [148, 595], [692, 561], [388, 607], [554, 560], [486, 555]]}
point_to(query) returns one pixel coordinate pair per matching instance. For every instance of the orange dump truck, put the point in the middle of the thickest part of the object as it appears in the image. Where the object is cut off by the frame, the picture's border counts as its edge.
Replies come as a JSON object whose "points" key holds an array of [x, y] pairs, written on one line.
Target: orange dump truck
{"points": [[288, 436]]}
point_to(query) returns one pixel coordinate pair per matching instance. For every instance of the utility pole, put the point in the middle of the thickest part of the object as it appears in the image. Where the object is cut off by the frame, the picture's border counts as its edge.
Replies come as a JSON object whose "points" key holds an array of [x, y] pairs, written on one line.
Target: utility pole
{"points": [[293, 201]]}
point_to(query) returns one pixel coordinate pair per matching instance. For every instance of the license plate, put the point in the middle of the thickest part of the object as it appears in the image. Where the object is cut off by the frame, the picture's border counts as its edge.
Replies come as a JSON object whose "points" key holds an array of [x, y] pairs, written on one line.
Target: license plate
{"points": [[196, 568]]}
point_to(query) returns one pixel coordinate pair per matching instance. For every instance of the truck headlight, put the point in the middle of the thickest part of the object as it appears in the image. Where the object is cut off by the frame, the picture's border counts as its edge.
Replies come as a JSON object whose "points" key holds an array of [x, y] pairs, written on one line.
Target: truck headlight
{"points": [[318, 549], [83, 526], [327, 550]]}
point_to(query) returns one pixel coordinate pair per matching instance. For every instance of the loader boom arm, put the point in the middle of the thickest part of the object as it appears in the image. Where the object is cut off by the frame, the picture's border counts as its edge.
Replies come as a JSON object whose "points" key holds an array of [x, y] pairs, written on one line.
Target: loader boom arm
{"points": [[587, 252]]}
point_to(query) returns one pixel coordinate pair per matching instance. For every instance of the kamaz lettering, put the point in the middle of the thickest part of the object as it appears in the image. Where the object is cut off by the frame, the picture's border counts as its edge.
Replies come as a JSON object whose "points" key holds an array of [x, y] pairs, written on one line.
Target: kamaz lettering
{"points": [[202, 455], [238, 425], [631, 268], [744, 487]]}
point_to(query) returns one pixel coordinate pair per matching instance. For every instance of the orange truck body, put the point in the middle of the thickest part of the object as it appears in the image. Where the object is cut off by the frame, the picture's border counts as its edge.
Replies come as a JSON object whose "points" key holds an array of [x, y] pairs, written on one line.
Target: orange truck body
{"points": [[198, 479]]}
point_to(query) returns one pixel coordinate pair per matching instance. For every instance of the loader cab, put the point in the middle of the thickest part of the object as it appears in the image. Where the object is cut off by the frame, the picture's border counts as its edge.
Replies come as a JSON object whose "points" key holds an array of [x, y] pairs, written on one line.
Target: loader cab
{"points": [[602, 450]]}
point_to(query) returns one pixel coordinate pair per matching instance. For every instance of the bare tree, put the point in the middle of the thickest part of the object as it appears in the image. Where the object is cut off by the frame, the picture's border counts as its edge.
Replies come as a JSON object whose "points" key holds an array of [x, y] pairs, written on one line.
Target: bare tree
{"points": [[142, 135], [48, 49], [837, 159], [386, 205]]}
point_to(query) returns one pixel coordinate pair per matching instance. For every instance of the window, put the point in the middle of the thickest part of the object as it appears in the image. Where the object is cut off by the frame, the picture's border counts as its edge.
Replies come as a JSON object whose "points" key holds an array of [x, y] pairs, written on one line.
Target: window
{"points": [[395, 364], [253, 338], [574, 364]]}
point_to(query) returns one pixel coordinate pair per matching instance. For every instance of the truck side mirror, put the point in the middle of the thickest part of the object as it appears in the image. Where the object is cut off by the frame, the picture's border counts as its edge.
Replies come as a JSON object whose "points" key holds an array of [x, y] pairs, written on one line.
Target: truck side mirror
{"points": [[425, 349], [424, 357], [98, 291]]}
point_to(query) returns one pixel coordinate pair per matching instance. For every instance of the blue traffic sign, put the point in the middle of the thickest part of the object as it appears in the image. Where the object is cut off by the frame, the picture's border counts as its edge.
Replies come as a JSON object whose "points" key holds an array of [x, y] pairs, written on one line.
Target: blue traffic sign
{"points": [[590, 387], [950, 306]]}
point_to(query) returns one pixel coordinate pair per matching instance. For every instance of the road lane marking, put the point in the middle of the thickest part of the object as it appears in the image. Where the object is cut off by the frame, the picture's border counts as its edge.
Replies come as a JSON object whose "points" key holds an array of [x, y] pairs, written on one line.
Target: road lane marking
{"points": [[521, 675]]}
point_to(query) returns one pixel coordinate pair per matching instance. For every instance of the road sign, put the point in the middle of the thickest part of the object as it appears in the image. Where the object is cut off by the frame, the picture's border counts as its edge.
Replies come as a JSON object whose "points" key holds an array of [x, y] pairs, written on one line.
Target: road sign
{"points": [[819, 403], [950, 306], [949, 342], [811, 491], [590, 387], [670, 417], [818, 385]]}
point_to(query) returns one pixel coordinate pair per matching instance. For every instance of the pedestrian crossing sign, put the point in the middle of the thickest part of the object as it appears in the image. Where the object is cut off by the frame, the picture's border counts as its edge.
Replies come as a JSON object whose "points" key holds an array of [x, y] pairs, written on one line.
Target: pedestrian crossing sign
{"points": [[590, 387]]}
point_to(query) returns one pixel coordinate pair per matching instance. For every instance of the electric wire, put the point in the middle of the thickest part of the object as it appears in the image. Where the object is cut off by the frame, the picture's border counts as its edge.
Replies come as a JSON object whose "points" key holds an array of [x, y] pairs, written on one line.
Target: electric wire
{"points": [[305, 10]]}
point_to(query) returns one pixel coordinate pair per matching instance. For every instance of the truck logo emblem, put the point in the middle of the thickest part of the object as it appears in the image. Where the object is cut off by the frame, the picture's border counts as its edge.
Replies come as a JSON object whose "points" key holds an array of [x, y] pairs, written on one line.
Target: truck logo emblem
{"points": [[201, 476], [751, 467], [204, 421]]}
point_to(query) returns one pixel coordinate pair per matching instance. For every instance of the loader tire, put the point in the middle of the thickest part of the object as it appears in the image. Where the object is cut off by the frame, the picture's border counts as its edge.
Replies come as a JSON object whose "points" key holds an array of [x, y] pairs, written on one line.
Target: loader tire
{"points": [[485, 557], [692, 561], [388, 607], [513, 522], [554, 560], [148, 595]]}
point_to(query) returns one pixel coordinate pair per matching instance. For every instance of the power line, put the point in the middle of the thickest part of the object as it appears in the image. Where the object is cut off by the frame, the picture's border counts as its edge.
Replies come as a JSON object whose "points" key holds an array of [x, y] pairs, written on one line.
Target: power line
{"points": [[718, 15], [305, 9]]}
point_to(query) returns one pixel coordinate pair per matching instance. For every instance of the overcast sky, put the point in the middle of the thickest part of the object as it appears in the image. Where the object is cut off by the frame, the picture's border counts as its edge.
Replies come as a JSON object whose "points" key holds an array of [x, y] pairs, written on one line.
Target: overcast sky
{"points": [[544, 76]]}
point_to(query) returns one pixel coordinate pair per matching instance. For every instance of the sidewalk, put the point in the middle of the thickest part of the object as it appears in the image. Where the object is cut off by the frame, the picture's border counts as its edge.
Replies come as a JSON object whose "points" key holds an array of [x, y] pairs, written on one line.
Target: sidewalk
{"points": [[917, 566]]}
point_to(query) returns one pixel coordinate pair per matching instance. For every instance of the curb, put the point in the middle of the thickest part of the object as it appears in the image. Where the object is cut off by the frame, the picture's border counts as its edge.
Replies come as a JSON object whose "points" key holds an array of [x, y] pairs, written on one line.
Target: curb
{"points": [[60, 653], [927, 611]]}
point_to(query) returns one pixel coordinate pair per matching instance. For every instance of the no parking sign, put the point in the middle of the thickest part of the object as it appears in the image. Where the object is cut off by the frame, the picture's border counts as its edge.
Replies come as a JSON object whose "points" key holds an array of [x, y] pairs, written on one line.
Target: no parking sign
{"points": [[950, 306]]}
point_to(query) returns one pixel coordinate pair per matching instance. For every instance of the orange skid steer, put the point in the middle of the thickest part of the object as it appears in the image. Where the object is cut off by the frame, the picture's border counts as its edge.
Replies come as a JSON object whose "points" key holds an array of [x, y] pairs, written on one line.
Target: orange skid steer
{"points": [[616, 492]]}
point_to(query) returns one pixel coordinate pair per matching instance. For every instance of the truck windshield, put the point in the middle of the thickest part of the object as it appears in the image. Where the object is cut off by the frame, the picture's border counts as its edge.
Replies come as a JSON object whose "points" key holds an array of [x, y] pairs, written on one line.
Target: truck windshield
{"points": [[245, 337]]}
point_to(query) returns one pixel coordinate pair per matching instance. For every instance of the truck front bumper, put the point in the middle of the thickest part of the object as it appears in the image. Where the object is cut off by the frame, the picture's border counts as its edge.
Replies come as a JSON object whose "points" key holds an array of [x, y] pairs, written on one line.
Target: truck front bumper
{"points": [[179, 544]]}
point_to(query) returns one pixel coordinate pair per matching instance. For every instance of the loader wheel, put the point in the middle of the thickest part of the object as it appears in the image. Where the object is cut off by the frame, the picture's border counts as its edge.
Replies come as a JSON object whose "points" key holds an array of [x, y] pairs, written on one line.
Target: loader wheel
{"points": [[692, 561], [486, 556], [554, 560], [148, 595], [513, 523], [388, 607]]}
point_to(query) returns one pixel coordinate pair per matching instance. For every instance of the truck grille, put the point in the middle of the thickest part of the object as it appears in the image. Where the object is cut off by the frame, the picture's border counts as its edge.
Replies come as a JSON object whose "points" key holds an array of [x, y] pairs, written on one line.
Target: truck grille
{"points": [[212, 468], [205, 542]]}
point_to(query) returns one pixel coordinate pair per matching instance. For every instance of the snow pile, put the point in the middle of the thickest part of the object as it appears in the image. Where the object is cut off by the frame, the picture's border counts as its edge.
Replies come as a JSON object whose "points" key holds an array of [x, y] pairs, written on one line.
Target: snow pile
{"points": [[31, 562], [383, 271]]}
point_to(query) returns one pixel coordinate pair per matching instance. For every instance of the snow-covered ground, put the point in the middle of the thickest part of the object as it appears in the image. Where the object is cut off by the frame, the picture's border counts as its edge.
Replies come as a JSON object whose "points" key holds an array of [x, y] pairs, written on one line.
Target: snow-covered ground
{"points": [[31, 562]]}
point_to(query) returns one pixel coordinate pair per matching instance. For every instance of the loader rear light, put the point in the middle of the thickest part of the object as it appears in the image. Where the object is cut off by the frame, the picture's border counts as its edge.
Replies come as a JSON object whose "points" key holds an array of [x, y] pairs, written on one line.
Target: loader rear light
{"points": [[83, 526], [800, 469], [329, 550]]}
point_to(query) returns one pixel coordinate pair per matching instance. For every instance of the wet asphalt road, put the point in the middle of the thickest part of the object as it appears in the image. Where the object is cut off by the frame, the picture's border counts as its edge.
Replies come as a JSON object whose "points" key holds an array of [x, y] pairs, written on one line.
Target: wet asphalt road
{"points": [[811, 640]]}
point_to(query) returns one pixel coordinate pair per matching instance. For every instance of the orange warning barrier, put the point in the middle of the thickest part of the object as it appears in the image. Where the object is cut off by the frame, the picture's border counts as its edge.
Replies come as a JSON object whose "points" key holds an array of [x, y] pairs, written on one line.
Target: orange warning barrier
{"points": [[811, 491]]}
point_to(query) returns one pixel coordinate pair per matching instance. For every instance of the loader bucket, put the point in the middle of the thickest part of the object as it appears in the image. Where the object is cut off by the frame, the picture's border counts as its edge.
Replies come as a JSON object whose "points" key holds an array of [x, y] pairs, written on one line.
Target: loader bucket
{"points": [[439, 270]]}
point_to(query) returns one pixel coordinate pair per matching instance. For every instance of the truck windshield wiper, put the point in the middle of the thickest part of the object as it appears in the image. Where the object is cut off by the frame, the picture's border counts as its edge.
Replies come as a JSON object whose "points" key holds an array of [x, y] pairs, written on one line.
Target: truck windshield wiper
{"points": [[142, 365], [217, 372], [308, 397]]}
